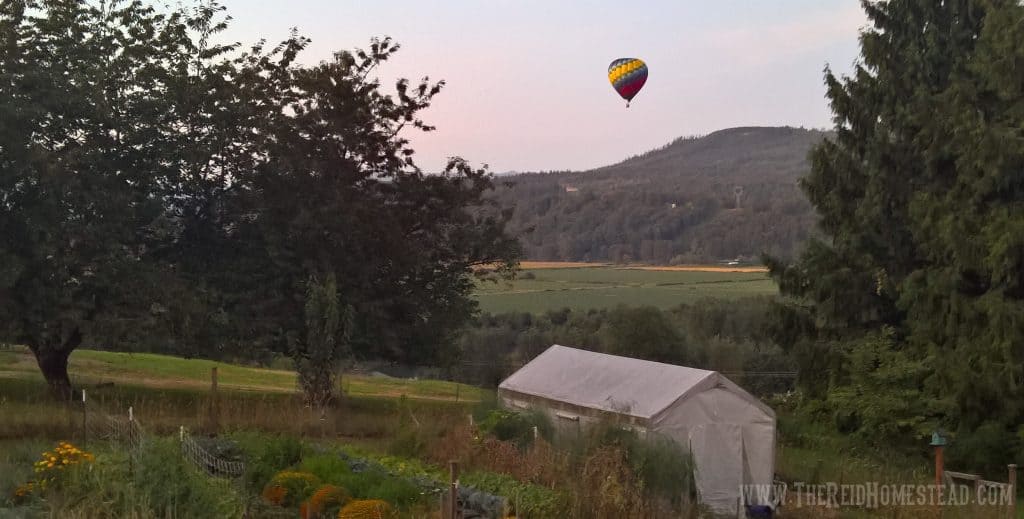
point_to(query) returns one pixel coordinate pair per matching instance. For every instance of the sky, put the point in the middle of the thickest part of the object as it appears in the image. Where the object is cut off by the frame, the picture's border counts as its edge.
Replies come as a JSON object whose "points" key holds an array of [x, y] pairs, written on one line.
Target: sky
{"points": [[526, 80]]}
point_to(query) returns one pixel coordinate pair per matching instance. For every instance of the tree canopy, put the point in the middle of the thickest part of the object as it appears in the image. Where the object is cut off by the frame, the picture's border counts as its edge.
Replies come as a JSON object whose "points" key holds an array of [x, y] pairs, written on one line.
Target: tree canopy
{"points": [[919, 195], [161, 191]]}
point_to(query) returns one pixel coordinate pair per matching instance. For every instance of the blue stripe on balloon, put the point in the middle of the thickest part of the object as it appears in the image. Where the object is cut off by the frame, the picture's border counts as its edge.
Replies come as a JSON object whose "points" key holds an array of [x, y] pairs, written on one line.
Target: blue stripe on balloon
{"points": [[629, 78]]}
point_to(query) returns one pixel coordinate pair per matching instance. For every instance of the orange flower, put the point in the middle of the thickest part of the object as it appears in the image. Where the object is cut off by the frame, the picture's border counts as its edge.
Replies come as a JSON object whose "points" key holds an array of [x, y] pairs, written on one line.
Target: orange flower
{"points": [[274, 494], [327, 497], [367, 509]]}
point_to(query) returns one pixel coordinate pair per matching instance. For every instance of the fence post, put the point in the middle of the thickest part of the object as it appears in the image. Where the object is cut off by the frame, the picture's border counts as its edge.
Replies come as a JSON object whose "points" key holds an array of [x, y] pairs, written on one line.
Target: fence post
{"points": [[1012, 480], [453, 489], [85, 422]]}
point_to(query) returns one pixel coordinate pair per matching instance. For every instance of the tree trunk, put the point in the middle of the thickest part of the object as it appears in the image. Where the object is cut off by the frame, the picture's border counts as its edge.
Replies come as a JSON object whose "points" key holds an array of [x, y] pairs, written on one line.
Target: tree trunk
{"points": [[52, 357], [53, 363]]}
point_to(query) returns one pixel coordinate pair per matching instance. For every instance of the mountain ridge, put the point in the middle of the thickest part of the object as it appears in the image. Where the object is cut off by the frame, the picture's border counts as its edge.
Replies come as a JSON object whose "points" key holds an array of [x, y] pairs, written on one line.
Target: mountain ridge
{"points": [[673, 204]]}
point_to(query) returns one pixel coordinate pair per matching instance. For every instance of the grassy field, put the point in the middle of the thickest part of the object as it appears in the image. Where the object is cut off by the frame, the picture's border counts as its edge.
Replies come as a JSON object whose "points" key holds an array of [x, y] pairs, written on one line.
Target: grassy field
{"points": [[162, 371], [553, 286]]}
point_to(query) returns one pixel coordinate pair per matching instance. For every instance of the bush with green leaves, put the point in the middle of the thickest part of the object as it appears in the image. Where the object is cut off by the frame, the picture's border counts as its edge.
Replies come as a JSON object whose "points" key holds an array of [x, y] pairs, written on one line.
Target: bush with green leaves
{"points": [[985, 449], [527, 500], [515, 427], [158, 482], [362, 479], [267, 455]]}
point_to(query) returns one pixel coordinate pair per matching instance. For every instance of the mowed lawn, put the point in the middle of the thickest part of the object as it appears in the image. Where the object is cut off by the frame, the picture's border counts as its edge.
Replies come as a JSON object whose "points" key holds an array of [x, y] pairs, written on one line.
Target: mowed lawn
{"points": [[603, 286], [167, 372]]}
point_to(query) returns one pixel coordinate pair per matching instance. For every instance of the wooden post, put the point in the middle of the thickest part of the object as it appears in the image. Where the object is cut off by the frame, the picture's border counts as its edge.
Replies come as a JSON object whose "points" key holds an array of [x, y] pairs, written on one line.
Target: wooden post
{"points": [[1012, 480], [85, 422], [938, 466], [453, 489]]}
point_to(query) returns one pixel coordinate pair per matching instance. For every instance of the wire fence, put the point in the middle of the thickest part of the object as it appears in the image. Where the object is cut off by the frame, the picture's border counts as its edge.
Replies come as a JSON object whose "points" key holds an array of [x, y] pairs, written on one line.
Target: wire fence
{"points": [[101, 425], [126, 430], [207, 461]]}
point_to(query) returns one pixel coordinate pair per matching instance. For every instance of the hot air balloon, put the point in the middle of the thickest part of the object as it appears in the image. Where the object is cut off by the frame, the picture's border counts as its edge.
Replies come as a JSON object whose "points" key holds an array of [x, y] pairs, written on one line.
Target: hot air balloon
{"points": [[627, 76]]}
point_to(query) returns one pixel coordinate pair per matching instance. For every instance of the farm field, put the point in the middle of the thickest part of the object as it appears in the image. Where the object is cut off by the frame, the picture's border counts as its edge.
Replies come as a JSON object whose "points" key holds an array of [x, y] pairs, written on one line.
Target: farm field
{"points": [[552, 287], [535, 265]]}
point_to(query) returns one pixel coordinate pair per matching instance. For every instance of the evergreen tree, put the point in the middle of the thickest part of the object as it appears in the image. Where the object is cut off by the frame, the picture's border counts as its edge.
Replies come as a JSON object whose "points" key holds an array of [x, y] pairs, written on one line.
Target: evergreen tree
{"points": [[919, 195]]}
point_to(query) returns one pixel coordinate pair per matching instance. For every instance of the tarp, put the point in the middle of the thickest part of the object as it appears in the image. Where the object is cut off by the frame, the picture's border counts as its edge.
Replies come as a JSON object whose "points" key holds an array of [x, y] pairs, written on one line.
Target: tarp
{"points": [[729, 432]]}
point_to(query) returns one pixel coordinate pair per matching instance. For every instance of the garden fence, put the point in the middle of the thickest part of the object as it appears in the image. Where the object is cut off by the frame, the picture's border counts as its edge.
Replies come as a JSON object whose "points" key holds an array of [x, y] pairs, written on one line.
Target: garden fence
{"points": [[126, 430]]}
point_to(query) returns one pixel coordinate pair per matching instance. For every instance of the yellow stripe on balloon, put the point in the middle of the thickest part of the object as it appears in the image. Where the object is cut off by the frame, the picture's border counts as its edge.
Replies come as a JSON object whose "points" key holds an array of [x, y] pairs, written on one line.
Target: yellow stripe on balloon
{"points": [[617, 72], [621, 70]]}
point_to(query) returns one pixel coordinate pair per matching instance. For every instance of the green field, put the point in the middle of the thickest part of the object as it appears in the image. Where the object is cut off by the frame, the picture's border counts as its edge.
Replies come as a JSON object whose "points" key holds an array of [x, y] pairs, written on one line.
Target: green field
{"points": [[607, 286], [166, 372]]}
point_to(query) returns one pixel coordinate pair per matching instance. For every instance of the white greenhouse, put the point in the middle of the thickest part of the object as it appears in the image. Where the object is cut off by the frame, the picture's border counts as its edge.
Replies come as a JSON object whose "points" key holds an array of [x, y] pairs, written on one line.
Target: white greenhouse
{"points": [[729, 432]]}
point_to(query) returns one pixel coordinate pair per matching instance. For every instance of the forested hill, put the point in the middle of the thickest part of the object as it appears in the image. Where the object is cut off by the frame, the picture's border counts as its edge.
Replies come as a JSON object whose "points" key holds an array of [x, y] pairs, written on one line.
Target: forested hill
{"points": [[674, 204]]}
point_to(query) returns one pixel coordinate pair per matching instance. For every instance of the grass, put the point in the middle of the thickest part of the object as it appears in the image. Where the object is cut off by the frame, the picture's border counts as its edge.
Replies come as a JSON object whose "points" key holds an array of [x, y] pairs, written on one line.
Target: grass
{"points": [[584, 288], [91, 367], [27, 412]]}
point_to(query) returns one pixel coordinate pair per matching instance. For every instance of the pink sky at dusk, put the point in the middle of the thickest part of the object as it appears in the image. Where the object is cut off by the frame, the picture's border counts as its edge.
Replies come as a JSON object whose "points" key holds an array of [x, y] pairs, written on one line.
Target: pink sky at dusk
{"points": [[526, 80]]}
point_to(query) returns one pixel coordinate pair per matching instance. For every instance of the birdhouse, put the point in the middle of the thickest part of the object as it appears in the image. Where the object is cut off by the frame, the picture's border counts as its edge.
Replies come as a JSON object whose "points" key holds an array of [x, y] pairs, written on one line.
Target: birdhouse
{"points": [[938, 440]]}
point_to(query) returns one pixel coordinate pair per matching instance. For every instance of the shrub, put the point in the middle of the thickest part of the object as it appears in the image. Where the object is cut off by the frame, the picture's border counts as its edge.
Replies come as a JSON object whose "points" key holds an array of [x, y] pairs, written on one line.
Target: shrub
{"points": [[267, 455], [274, 494], [162, 484], [515, 427], [53, 464], [526, 499], [368, 509], [16, 461], [326, 499], [407, 442], [987, 449], [297, 486], [330, 468], [367, 481]]}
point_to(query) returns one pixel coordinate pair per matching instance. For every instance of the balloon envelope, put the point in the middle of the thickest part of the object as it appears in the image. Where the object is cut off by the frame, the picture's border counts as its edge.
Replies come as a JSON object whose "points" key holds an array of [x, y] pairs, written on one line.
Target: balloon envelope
{"points": [[627, 76]]}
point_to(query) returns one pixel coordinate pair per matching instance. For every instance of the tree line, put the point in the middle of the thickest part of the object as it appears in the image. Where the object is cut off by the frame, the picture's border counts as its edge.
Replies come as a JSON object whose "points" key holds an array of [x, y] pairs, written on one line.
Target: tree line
{"points": [[162, 191], [728, 336]]}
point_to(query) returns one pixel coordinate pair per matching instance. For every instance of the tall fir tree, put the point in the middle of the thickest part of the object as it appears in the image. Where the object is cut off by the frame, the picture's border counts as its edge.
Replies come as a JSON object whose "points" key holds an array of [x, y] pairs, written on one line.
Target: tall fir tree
{"points": [[919, 195]]}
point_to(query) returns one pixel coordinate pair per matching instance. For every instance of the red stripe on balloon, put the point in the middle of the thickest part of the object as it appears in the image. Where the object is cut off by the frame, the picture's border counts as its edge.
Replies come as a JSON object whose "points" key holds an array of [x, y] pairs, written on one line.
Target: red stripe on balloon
{"points": [[630, 89]]}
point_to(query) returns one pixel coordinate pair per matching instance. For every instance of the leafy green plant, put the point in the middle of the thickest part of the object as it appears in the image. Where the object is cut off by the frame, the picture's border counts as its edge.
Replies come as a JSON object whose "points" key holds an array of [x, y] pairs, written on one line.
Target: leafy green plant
{"points": [[292, 487], [267, 455], [365, 481], [515, 427], [526, 499], [160, 484]]}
